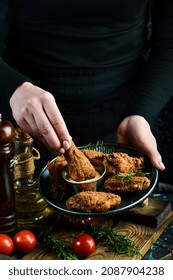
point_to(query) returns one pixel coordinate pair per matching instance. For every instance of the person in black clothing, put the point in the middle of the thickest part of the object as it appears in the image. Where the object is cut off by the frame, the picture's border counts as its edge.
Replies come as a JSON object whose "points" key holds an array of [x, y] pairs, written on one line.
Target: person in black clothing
{"points": [[88, 69]]}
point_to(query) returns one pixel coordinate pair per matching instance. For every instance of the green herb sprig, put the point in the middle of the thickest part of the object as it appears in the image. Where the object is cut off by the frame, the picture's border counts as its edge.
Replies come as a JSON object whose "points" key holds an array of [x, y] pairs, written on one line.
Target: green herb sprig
{"points": [[91, 146], [116, 242], [60, 248], [104, 236], [129, 176]]}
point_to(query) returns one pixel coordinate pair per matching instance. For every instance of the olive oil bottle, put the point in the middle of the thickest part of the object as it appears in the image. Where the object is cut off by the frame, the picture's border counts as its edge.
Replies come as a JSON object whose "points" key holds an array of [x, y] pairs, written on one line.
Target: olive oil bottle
{"points": [[30, 206]]}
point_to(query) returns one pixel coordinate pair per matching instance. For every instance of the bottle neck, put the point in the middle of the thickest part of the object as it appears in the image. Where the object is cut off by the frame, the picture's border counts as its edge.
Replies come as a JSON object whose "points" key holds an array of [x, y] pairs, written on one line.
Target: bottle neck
{"points": [[22, 142], [22, 147], [24, 166]]}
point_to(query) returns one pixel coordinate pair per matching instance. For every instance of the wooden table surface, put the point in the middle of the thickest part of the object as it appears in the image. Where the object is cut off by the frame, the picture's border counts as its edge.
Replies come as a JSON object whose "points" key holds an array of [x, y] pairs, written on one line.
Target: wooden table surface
{"points": [[143, 235]]}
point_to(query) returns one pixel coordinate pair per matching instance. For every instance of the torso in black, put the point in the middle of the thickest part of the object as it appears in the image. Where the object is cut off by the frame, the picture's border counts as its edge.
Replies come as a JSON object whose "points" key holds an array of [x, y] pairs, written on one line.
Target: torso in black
{"points": [[75, 33], [88, 54]]}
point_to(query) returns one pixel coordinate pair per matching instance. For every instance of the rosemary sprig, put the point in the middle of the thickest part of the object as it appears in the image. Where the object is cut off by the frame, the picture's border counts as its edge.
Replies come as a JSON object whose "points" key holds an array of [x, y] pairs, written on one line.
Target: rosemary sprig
{"points": [[129, 176], [91, 146], [141, 173], [123, 176], [117, 242], [103, 235], [60, 248]]}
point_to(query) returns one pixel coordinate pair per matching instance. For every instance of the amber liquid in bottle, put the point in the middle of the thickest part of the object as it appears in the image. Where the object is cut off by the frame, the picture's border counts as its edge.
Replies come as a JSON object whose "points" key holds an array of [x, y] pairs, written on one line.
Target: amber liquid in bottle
{"points": [[30, 206]]}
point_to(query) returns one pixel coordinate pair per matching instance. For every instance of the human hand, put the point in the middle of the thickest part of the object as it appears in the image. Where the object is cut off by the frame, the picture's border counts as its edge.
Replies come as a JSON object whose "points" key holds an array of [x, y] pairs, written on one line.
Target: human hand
{"points": [[135, 131], [35, 111]]}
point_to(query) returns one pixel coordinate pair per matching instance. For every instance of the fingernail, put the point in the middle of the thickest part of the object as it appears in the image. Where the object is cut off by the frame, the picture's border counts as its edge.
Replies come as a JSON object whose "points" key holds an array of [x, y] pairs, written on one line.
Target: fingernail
{"points": [[61, 151], [162, 165], [66, 145]]}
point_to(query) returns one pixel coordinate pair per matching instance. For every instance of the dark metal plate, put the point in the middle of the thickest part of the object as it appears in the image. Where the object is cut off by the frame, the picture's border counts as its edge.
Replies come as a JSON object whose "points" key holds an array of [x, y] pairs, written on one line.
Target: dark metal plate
{"points": [[128, 200]]}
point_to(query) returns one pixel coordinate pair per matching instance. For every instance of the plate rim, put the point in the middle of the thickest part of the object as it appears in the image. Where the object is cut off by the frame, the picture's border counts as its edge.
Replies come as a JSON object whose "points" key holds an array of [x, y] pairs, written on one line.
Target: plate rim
{"points": [[114, 211]]}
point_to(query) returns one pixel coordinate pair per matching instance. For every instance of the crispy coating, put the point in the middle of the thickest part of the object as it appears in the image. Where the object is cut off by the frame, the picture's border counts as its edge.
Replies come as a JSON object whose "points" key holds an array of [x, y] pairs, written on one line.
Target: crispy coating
{"points": [[92, 154], [81, 169], [58, 185], [110, 169], [124, 163], [127, 184], [79, 166], [103, 157], [116, 162], [90, 201]]}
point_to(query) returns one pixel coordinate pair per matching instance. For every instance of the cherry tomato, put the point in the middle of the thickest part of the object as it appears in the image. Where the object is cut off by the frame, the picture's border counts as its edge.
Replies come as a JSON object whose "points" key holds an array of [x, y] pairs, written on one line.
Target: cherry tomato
{"points": [[25, 241], [6, 244], [83, 245]]}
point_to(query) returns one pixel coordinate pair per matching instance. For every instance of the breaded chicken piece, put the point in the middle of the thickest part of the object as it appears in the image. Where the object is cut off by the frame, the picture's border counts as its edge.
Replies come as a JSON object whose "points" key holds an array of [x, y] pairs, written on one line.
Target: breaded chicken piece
{"points": [[92, 154], [89, 201], [58, 185], [124, 163], [79, 166], [110, 169], [127, 184]]}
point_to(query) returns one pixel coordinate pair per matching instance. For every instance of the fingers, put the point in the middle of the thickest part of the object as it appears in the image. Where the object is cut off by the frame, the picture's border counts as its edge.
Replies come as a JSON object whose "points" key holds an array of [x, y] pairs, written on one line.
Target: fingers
{"points": [[31, 128], [36, 112], [57, 122], [135, 131], [149, 148], [156, 161]]}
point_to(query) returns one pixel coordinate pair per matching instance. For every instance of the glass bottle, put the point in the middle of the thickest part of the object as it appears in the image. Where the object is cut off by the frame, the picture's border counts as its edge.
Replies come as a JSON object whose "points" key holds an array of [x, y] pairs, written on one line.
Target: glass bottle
{"points": [[30, 206], [8, 222]]}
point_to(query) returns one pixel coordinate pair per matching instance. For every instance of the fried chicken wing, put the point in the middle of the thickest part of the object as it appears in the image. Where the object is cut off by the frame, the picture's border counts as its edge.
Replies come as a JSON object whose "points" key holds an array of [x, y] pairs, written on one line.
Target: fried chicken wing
{"points": [[92, 154], [90, 201], [124, 163], [127, 184], [58, 185], [79, 166]]}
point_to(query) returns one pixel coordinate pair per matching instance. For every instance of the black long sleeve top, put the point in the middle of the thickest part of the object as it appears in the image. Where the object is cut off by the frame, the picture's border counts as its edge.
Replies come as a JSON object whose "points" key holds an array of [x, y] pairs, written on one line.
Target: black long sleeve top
{"points": [[92, 34]]}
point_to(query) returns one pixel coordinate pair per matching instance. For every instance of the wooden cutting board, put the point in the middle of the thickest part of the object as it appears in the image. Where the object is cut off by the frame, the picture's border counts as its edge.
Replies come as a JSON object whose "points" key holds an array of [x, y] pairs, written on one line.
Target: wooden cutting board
{"points": [[143, 235], [151, 213]]}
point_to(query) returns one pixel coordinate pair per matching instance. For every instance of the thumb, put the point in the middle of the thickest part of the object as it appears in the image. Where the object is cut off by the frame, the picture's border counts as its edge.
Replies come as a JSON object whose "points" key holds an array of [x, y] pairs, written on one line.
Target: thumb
{"points": [[150, 150], [156, 160]]}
